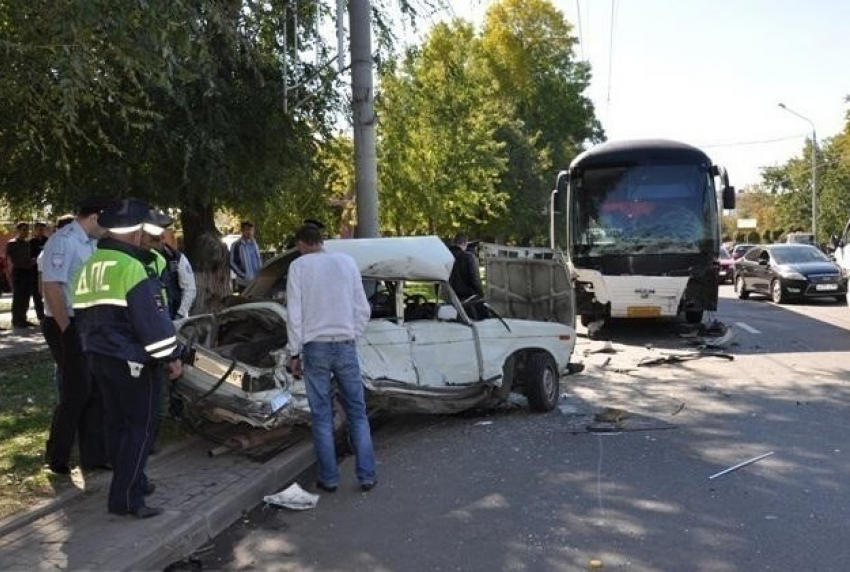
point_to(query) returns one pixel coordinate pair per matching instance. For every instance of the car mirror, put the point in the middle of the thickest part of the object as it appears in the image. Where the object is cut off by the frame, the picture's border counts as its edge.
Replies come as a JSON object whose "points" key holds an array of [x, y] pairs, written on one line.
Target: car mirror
{"points": [[446, 313]]}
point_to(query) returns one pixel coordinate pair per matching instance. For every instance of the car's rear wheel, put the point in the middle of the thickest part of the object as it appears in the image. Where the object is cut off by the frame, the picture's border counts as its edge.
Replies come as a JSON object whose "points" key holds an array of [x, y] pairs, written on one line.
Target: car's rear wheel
{"points": [[776, 293], [542, 383], [741, 288]]}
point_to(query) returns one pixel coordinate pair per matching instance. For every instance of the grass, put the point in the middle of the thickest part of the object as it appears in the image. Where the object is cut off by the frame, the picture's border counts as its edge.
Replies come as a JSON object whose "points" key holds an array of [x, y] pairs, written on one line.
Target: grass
{"points": [[27, 397]]}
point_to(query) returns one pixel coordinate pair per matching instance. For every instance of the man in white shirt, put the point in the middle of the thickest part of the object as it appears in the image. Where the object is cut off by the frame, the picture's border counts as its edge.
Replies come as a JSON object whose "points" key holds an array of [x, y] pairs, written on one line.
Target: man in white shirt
{"points": [[328, 310]]}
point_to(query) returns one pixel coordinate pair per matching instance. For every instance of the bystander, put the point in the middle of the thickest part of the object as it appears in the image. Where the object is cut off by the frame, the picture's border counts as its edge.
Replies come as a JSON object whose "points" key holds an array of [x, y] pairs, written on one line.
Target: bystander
{"points": [[20, 268], [245, 258], [328, 310]]}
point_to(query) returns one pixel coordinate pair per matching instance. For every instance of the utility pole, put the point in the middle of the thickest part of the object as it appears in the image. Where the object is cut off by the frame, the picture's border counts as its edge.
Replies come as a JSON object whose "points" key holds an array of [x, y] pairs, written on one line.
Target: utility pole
{"points": [[814, 169], [364, 119]]}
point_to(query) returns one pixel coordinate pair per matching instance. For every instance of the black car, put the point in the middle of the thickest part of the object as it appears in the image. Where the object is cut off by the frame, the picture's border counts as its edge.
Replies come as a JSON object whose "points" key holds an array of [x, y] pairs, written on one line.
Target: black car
{"points": [[786, 271]]}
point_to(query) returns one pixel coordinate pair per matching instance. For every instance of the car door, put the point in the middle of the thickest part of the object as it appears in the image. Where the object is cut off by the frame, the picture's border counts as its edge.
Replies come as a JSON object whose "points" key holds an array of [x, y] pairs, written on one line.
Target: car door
{"points": [[744, 269], [445, 352], [760, 270], [385, 354]]}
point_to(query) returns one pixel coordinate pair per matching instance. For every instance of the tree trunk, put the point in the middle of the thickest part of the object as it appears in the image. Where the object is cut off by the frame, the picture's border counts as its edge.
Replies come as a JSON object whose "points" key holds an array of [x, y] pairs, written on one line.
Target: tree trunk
{"points": [[208, 256]]}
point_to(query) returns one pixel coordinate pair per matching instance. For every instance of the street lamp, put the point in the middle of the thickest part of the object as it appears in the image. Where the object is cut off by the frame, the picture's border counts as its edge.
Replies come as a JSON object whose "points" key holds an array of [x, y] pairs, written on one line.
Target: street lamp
{"points": [[814, 168]]}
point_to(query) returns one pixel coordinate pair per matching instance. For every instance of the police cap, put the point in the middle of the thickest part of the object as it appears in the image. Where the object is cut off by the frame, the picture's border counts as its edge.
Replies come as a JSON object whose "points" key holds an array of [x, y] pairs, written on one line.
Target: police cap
{"points": [[124, 216]]}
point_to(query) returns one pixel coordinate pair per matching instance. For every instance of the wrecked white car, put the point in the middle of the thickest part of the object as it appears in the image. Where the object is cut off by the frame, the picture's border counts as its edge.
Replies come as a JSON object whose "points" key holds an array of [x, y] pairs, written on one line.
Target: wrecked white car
{"points": [[420, 352]]}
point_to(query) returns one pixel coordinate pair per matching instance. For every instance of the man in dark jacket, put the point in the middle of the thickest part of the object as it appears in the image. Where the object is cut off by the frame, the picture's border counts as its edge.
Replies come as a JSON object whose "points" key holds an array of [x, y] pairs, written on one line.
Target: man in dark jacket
{"points": [[20, 268], [465, 279], [37, 242]]}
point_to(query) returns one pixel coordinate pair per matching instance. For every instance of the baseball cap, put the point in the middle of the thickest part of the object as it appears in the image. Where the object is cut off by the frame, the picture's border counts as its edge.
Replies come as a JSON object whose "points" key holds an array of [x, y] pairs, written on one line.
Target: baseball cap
{"points": [[124, 216]]}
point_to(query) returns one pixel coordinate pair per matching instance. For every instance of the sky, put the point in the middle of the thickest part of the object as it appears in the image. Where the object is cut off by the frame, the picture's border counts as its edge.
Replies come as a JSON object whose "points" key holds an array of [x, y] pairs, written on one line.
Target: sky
{"points": [[712, 72]]}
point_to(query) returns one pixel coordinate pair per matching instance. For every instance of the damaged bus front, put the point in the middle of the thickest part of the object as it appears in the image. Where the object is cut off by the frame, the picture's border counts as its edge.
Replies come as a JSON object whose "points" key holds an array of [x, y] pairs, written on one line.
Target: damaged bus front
{"points": [[639, 222]]}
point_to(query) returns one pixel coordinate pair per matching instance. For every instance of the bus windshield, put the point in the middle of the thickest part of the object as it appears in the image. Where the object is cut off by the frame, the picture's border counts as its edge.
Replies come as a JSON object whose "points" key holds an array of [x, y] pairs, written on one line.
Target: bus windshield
{"points": [[642, 209]]}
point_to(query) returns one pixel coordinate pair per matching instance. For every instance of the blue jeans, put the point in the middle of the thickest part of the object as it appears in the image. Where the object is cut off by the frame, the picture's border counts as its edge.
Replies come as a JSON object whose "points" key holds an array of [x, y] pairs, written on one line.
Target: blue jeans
{"points": [[320, 361]]}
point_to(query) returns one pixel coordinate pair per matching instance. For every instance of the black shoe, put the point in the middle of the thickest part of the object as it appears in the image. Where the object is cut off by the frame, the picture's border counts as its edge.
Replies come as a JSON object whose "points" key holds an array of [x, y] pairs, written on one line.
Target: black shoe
{"points": [[326, 488], [146, 512], [149, 489], [101, 467], [59, 469], [366, 487], [25, 325]]}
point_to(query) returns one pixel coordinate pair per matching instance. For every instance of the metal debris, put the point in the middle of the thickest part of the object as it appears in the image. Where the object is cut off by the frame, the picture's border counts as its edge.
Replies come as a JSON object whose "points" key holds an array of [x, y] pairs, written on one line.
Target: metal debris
{"points": [[742, 464], [678, 358]]}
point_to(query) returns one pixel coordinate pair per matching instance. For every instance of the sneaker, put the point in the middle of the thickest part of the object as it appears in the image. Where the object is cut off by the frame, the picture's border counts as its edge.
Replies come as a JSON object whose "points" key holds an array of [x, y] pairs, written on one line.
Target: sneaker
{"points": [[368, 486], [327, 488]]}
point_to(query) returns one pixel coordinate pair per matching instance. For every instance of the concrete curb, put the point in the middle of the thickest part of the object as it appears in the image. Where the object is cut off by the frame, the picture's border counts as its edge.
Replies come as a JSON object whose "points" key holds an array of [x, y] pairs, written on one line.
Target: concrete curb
{"points": [[200, 527]]}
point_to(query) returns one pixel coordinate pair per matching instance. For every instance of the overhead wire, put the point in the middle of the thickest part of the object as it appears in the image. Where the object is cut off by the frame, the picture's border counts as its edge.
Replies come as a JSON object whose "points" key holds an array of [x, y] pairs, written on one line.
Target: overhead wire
{"points": [[610, 59]]}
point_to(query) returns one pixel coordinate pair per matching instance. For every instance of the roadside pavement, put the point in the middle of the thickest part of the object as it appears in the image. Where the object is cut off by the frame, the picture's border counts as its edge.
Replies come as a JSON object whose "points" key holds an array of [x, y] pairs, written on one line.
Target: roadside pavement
{"points": [[202, 495]]}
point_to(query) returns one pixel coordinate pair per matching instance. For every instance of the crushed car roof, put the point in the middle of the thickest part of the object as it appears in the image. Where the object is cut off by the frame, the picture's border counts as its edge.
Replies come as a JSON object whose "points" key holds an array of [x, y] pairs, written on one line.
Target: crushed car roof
{"points": [[409, 257]]}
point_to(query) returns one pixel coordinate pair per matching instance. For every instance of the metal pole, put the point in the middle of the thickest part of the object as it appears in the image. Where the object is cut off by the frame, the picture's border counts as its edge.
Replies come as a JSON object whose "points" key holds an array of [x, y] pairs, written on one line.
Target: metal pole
{"points": [[363, 114], [814, 168]]}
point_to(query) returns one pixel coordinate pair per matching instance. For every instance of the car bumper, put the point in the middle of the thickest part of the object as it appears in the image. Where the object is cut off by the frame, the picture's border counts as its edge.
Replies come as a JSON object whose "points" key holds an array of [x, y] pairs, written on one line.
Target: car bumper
{"points": [[805, 289], [267, 409]]}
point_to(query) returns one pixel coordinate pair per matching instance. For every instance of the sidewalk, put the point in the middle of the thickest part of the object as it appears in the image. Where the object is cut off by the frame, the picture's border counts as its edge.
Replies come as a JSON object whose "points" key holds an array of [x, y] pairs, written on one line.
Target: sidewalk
{"points": [[202, 496]]}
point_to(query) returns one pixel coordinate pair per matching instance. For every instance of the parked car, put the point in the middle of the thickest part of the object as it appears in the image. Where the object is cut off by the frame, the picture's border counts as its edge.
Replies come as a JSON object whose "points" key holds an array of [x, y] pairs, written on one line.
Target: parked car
{"points": [[726, 267], [421, 351], [786, 271], [740, 250]]}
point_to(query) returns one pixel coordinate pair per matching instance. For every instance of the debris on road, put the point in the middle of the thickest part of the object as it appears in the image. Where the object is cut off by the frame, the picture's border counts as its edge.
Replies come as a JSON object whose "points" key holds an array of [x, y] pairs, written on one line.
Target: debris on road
{"points": [[607, 348], [680, 357], [742, 464], [293, 497], [611, 415]]}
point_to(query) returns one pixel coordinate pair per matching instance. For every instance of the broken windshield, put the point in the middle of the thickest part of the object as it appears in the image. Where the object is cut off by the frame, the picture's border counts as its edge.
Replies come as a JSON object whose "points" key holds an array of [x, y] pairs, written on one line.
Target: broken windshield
{"points": [[642, 209]]}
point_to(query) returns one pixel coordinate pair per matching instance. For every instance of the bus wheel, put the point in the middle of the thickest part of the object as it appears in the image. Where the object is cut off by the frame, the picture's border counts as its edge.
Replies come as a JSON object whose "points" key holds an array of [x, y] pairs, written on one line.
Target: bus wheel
{"points": [[542, 383], [693, 316]]}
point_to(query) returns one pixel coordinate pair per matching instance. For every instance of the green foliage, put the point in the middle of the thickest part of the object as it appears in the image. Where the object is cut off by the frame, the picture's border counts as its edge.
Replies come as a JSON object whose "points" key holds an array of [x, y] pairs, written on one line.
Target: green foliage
{"points": [[792, 182], [474, 124], [440, 160]]}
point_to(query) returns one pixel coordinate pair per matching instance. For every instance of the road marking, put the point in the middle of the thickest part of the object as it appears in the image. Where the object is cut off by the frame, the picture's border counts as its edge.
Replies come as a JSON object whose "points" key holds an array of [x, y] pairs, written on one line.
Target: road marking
{"points": [[750, 329]]}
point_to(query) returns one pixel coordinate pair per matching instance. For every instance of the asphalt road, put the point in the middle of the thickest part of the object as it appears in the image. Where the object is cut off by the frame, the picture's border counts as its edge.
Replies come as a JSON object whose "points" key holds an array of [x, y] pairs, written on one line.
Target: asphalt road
{"points": [[510, 490]]}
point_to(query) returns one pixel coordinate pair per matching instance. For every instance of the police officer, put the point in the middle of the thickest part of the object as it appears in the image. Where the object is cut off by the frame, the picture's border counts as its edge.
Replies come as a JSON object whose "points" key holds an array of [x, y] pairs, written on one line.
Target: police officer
{"points": [[79, 411], [130, 342], [173, 268]]}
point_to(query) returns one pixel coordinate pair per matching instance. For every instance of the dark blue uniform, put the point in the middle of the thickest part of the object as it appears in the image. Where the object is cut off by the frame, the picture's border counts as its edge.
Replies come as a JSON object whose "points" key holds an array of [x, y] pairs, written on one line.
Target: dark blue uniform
{"points": [[127, 335]]}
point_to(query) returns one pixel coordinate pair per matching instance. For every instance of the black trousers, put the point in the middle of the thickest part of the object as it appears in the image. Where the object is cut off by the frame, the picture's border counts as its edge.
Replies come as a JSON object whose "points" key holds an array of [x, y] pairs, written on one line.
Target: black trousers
{"points": [[37, 300], [132, 410], [79, 413], [22, 284]]}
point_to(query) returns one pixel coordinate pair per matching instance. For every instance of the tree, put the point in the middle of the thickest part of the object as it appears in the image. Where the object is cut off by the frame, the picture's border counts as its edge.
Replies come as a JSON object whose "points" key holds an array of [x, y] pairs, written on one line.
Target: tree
{"points": [[180, 105], [528, 49], [440, 159], [443, 107]]}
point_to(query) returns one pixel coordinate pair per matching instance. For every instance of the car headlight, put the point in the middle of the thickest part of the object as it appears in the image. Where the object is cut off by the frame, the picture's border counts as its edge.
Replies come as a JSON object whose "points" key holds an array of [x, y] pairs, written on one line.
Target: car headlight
{"points": [[791, 274]]}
